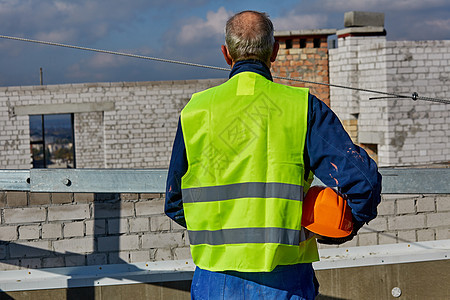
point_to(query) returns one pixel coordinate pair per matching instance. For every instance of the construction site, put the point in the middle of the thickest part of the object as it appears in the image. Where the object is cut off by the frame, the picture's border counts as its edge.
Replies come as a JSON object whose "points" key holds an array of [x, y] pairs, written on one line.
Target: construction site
{"points": [[82, 204]]}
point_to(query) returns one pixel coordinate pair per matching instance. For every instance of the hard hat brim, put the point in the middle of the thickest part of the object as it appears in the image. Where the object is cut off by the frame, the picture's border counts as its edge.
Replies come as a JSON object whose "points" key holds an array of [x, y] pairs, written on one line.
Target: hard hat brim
{"points": [[327, 231]]}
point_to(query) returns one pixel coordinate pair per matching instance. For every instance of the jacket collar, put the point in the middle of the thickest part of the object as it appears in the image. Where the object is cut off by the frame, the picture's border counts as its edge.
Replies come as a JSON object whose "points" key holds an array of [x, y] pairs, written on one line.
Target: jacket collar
{"points": [[251, 65]]}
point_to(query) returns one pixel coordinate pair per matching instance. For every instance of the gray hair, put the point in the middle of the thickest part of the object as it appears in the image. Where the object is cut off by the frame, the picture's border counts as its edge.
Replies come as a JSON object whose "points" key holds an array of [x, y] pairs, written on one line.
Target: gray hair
{"points": [[249, 40]]}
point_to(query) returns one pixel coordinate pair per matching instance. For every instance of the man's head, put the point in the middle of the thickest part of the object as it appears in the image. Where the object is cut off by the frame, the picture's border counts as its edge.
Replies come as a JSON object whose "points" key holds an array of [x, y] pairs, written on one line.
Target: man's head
{"points": [[249, 35]]}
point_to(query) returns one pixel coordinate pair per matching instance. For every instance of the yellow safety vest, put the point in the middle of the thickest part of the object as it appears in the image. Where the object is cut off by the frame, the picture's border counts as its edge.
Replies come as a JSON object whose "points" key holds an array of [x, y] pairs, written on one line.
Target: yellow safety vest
{"points": [[243, 190]]}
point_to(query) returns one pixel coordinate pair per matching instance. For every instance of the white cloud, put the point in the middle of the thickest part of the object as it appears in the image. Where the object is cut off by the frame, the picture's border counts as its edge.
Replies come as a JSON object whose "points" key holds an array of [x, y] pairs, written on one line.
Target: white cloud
{"points": [[64, 7], [297, 21], [67, 20], [404, 19], [188, 30], [439, 24], [57, 35], [100, 61], [378, 5], [198, 29]]}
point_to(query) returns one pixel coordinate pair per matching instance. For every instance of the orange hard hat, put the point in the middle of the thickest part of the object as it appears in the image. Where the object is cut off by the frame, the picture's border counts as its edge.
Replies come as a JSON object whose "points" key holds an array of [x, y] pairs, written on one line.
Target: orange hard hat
{"points": [[326, 213]]}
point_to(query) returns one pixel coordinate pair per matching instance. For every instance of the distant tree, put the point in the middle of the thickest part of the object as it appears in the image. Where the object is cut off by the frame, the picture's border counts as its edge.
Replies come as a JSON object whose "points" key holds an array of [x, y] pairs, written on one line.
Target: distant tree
{"points": [[62, 153], [36, 151]]}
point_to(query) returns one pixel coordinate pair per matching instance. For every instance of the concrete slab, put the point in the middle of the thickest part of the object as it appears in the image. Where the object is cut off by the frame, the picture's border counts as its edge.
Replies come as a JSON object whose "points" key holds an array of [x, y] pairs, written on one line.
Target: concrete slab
{"points": [[362, 18]]}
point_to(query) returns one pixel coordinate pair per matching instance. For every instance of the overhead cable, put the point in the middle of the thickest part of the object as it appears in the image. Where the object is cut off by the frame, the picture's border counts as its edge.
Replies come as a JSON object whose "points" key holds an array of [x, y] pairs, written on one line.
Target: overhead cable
{"points": [[414, 96]]}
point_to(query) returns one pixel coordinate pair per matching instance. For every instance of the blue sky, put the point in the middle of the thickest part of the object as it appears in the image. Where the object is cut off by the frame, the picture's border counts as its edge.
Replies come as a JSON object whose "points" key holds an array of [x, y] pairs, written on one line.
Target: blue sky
{"points": [[182, 30]]}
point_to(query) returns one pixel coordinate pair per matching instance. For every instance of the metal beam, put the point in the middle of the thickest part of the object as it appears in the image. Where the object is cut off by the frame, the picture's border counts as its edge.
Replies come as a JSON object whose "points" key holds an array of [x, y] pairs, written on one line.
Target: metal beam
{"points": [[14, 180], [395, 181], [416, 181], [98, 180]]}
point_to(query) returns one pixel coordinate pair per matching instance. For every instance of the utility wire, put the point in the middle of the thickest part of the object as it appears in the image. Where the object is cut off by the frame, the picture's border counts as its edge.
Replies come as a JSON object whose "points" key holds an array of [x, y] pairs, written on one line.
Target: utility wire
{"points": [[414, 96], [114, 53]]}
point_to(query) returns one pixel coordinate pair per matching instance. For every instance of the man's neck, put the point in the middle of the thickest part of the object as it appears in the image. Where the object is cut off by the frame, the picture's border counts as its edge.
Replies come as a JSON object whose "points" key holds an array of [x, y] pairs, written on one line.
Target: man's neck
{"points": [[251, 65]]}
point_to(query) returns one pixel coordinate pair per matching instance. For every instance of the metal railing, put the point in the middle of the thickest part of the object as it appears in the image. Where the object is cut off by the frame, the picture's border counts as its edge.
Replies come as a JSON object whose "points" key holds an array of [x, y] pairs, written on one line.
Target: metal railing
{"points": [[395, 180]]}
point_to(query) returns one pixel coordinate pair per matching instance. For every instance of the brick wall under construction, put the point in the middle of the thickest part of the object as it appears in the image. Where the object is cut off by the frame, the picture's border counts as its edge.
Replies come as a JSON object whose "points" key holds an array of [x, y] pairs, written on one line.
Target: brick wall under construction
{"points": [[399, 132], [135, 130], [44, 230], [304, 58]]}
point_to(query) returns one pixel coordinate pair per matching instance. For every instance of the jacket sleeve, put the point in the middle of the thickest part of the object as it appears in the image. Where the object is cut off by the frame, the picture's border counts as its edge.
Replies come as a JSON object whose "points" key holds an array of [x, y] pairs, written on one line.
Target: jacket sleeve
{"points": [[177, 168], [337, 162]]}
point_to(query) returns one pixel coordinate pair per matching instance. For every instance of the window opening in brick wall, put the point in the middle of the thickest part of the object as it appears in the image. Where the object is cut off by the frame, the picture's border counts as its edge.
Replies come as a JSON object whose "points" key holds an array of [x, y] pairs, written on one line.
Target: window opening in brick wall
{"points": [[302, 43], [52, 141], [316, 43], [288, 44]]}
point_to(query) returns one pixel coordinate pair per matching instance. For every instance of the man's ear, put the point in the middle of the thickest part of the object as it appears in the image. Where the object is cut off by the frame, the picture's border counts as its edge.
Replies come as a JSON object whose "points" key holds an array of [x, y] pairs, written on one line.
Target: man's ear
{"points": [[276, 47], [227, 55]]}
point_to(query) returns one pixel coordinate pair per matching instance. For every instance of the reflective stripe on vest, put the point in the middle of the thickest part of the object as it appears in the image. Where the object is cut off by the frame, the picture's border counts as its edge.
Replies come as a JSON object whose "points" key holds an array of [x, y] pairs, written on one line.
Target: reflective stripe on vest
{"points": [[243, 190], [249, 235]]}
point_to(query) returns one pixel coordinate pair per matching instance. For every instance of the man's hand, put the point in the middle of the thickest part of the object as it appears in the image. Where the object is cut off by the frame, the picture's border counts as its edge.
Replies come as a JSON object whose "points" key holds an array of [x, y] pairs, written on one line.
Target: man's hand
{"points": [[338, 241]]}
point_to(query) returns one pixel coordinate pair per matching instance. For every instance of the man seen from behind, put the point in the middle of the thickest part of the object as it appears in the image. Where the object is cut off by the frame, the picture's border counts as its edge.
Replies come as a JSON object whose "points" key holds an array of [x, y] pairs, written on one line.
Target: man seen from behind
{"points": [[240, 166]]}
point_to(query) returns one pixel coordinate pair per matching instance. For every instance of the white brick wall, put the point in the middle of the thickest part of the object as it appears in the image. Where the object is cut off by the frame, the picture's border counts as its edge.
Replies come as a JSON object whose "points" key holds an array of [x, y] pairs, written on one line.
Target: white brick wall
{"points": [[137, 134], [21, 215], [419, 131], [89, 140], [134, 229], [407, 132], [89, 232]]}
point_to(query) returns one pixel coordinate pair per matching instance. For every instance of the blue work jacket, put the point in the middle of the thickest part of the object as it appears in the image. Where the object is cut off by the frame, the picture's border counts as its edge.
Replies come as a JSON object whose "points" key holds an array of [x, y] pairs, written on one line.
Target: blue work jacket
{"points": [[329, 153]]}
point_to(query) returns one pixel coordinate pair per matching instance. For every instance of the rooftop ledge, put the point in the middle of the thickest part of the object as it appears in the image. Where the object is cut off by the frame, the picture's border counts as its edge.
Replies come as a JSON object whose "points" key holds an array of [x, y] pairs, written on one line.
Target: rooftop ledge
{"points": [[362, 30], [164, 271], [307, 32]]}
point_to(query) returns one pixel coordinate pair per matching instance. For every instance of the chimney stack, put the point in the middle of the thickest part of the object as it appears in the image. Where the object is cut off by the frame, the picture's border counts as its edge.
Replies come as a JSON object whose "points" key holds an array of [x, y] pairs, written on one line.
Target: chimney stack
{"points": [[360, 23]]}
